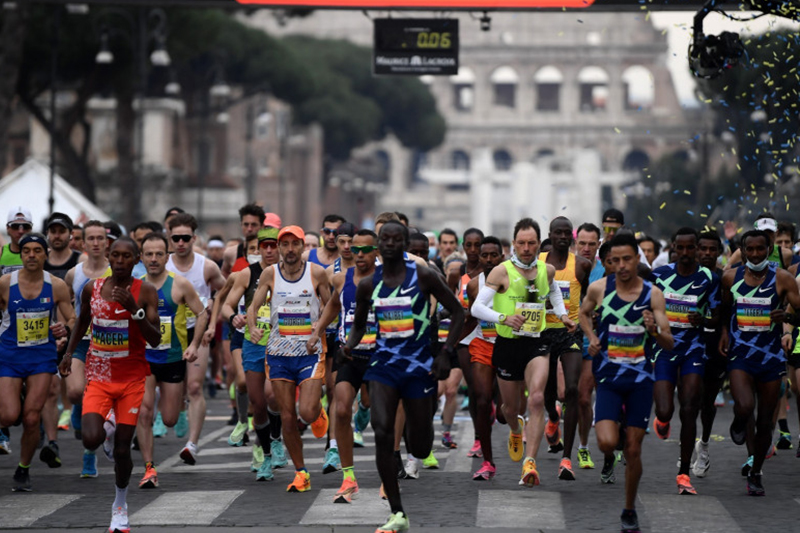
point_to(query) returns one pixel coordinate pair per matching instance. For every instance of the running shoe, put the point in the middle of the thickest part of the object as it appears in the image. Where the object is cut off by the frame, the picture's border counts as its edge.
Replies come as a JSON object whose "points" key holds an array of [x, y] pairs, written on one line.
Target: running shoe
{"points": [[607, 474], [412, 469], [22, 480], [629, 522], [719, 401], [515, 446], [486, 472], [49, 455], [557, 447], [662, 429], [236, 437], [332, 462], [279, 459], [108, 445], [264, 472], [63, 420], [685, 485], [159, 429], [552, 431], [747, 466], [150, 478], [430, 462], [703, 462], [258, 458], [319, 427], [476, 450], [361, 418], [89, 464], [754, 485], [565, 472], [585, 458], [301, 483], [447, 441], [784, 441], [347, 492], [182, 425], [189, 453], [358, 439], [530, 476], [738, 432], [119, 520], [397, 522], [772, 452], [5, 447]]}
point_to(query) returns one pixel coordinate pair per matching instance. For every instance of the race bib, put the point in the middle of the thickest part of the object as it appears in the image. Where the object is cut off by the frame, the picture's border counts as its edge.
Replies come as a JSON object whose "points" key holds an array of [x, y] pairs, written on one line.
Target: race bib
{"points": [[444, 329], [488, 330], [395, 320], [166, 333], [369, 338], [678, 308], [534, 317], [262, 318], [626, 344], [191, 319], [752, 314], [564, 286], [110, 338], [294, 321], [33, 328]]}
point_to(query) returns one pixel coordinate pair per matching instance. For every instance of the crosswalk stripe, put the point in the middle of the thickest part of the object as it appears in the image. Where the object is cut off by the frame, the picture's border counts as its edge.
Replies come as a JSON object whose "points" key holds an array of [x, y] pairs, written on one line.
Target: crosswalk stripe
{"points": [[504, 508], [234, 466], [457, 460], [197, 508], [707, 514], [25, 509], [211, 437], [366, 509]]}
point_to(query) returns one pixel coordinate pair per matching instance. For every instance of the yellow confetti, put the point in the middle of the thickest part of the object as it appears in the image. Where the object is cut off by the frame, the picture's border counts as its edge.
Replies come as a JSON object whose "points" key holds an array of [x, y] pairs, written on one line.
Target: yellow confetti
{"points": [[739, 230], [651, 218], [662, 205], [686, 192], [617, 130]]}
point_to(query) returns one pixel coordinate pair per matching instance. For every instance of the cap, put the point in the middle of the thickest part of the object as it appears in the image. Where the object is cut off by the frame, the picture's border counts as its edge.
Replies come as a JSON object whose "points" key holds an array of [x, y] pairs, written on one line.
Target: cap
{"points": [[34, 237], [265, 234], [766, 224], [295, 231], [113, 231], [272, 220], [60, 219], [19, 215], [346, 228], [614, 216]]}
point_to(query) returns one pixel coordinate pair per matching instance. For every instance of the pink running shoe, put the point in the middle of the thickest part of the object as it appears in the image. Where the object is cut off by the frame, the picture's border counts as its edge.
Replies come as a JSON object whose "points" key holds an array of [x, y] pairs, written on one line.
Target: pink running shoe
{"points": [[486, 472], [475, 451]]}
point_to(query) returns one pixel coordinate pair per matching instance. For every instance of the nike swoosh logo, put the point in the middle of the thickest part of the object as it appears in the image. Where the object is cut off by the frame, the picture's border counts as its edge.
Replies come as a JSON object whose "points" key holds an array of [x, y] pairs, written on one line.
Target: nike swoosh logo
{"points": [[119, 311], [762, 290], [427, 390], [406, 290], [696, 364], [639, 307], [699, 286]]}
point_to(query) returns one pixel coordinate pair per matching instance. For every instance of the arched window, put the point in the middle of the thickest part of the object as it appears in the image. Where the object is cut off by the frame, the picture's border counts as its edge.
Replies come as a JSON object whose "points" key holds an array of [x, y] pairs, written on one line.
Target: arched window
{"points": [[504, 81], [639, 91], [459, 160], [636, 161], [502, 159], [463, 89], [384, 160], [593, 82], [548, 88]]}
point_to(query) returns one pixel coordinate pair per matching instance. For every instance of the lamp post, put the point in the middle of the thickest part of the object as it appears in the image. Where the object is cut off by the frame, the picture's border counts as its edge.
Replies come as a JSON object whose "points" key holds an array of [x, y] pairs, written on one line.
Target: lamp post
{"points": [[219, 92]]}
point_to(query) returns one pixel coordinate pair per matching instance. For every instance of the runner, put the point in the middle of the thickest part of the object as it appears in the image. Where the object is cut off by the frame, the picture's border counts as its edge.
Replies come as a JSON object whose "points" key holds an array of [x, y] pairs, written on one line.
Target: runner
{"points": [[19, 223], [518, 289], [328, 252], [448, 243], [167, 360], [235, 259], [630, 309], [205, 276], [349, 375], [752, 311], [140, 231], [402, 367], [572, 278], [297, 288], [123, 312], [30, 299], [778, 256], [691, 292]]}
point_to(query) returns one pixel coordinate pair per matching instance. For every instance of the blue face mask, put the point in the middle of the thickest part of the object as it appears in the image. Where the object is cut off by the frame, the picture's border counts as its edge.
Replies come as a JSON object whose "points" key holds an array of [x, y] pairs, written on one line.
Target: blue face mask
{"points": [[759, 266], [431, 252]]}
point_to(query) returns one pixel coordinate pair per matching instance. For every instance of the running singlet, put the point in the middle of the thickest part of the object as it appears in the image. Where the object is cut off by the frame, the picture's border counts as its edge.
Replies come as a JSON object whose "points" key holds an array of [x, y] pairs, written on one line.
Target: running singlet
{"points": [[348, 300], [60, 271], [79, 281], [263, 315], [173, 327], [294, 308], [314, 258], [485, 330], [696, 293], [117, 350], [196, 276], [775, 257], [9, 261], [523, 297], [625, 349], [753, 335], [570, 287], [403, 316], [26, 324]]}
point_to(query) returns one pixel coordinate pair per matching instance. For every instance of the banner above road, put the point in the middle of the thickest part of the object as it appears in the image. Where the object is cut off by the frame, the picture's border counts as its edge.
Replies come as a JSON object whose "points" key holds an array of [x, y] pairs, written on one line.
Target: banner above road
{"points": [[482, 5]]}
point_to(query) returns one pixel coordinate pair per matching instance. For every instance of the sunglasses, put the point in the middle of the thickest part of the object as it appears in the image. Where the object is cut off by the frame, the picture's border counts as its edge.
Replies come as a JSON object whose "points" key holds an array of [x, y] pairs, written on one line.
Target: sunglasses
{"points": [[608, 229], [328, 231], [20, 227], [268, 244], [363, 249], [182, 238]]}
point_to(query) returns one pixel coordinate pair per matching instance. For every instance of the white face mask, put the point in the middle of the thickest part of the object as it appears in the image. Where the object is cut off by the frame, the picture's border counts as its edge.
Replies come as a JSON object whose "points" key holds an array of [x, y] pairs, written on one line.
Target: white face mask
{"points": [[253, 258], [758, 267]]}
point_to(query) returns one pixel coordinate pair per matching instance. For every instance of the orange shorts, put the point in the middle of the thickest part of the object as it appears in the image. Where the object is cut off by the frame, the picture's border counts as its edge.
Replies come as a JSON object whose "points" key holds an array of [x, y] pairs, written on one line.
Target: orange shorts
{"points": [[480, 351], [124, 398]]}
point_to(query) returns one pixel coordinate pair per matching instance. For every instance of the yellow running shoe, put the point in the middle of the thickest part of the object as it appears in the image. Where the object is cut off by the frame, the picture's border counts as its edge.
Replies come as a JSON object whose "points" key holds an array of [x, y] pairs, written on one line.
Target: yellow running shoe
{"points": [[530, 476], [515, 445], [397, 522], [301, 483]]}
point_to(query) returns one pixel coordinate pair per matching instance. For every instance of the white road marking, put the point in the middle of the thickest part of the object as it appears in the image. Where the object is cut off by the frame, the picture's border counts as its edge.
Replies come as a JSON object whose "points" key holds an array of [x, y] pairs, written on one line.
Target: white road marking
{"points": [[366, 509], [197, 508], [457, 460], [22, 510], [707, 514], [518, 508]]}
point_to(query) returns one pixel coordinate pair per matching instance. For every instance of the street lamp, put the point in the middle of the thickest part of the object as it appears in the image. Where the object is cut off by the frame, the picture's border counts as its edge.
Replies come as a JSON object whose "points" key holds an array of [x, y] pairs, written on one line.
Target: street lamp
{"points": [[218, 91]]}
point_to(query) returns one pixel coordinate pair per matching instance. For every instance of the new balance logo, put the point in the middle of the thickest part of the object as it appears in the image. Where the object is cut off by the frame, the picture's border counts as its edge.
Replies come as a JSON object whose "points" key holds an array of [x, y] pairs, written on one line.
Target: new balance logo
{"points": [[133, 410]]}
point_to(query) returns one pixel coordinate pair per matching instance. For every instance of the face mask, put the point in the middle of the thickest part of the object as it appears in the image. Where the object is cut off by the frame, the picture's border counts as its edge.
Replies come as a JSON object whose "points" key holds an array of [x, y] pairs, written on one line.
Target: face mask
{"points": [[431, 252], [518, 262], [253, 258], [758, 267]]}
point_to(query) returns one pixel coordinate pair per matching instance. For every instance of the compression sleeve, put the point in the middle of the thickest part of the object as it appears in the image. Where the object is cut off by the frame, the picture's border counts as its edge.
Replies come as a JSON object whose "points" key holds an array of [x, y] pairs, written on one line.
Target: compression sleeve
{"points": [[480, 308], [556, 300]]}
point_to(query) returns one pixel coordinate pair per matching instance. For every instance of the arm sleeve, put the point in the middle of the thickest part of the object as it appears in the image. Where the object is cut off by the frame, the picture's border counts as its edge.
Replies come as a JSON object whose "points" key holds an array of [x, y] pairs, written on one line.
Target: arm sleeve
{"points": [[480, 308], [556, 300]]}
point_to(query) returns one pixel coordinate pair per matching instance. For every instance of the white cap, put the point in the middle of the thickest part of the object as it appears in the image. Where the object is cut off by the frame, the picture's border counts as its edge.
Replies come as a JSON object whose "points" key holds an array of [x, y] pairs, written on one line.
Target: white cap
{"points": [[19, 215], [766, 224]]}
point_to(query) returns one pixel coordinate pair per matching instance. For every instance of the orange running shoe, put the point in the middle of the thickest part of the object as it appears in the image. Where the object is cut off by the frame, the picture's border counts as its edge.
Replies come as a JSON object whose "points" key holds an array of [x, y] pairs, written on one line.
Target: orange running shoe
{"points": [[301, 483], [319, 427], [552, 431], [661, 428], [565, 470], [347, 492], [685, 485]]}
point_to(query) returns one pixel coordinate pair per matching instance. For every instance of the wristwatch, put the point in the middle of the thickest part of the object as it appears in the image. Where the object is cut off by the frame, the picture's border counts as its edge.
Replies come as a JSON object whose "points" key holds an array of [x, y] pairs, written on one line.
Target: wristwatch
{"points": [[501, 318], [138, 315]]}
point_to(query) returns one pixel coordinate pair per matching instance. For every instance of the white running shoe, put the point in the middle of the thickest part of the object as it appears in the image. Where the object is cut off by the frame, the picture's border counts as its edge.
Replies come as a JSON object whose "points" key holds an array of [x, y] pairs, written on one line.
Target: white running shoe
{"points": [[412, 469], [119, 520], [108, 445], [189, 453], [703, 462]]}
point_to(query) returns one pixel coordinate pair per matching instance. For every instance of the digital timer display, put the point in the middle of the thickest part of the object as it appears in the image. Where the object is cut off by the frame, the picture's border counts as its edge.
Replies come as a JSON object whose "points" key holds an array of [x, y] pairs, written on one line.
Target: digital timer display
{"points": [[399, 35]]}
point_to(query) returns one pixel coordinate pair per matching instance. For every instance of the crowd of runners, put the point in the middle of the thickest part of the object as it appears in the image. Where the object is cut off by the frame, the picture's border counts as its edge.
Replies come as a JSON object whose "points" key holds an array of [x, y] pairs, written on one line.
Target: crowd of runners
{"points": [[553, 331]]}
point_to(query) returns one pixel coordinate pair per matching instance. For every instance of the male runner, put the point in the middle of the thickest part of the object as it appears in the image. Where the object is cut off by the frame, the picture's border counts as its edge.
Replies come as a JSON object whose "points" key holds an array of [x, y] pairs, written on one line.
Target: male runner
{"points": [[402, 367], [140, 231], [448, 243], [167, 360], [61, 257], [572, 278], [296, 290], [328, 252], [235, 259], [205, 276], [29, 300], [349, 374], [19, 223], [518, 289], [753, 296], [778, 256], [123, 312], [630, 309], [690, 292]]}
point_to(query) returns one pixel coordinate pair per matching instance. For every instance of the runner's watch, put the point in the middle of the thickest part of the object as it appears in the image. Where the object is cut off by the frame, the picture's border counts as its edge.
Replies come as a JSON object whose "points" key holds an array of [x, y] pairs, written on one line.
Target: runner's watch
{"points": [[501, 318], [138, 315]]}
